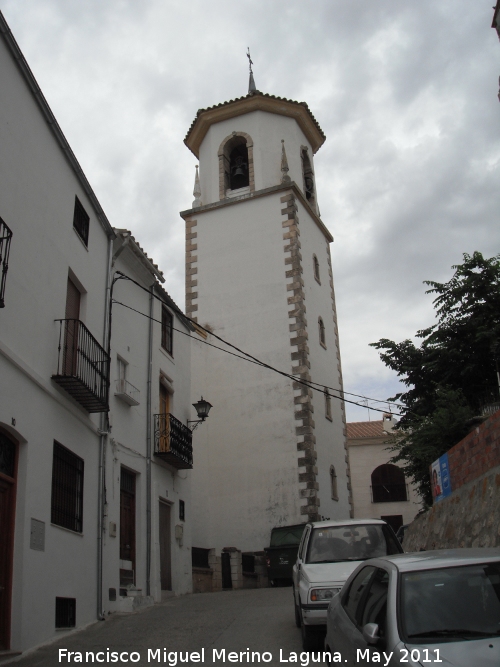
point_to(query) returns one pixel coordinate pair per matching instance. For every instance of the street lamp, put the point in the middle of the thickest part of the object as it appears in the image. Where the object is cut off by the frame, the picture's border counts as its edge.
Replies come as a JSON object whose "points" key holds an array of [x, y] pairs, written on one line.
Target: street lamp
{"points": [[202, 409]]}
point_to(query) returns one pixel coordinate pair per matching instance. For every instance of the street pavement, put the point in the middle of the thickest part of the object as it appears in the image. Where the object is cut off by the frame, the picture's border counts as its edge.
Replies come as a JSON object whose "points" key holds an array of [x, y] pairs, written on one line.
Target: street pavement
{"points": [[260, 620]]}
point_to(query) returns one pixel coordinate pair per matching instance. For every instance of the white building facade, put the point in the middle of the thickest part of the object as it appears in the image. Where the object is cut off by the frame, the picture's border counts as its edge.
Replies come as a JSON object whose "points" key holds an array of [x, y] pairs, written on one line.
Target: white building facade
{"points": [[259, 275], [82, 466], [379, 488]]}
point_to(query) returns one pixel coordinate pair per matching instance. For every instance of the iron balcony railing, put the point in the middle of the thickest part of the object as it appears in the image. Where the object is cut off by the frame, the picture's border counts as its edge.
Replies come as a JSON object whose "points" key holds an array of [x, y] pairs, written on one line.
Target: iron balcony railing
{"points": [[389, 493], [173, 441], [82, 366], [5, 238]]}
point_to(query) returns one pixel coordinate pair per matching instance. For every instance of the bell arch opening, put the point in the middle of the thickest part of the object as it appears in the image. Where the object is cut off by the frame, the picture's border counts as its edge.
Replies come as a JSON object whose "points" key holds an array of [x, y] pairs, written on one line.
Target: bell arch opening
{"points": [[236, 164]]}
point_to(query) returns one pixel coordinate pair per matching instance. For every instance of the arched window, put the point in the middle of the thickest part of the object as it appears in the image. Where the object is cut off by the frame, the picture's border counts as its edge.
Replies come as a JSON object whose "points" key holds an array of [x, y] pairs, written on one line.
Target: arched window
{"points": [[235, 164], [308, 177], [333, 483], [321, 327], [388, 484], [316, 269], [328, 405]]}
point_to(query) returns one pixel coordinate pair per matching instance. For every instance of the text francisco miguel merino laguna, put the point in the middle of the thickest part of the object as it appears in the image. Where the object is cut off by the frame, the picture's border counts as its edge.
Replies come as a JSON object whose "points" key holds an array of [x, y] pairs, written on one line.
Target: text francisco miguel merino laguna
{"points": [[174, 658]]}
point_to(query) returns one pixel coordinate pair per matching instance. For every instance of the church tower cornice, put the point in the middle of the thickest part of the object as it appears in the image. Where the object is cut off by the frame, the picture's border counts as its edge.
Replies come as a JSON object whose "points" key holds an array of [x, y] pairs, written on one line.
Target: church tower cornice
{"points": [[255, 101], [282, 187]]}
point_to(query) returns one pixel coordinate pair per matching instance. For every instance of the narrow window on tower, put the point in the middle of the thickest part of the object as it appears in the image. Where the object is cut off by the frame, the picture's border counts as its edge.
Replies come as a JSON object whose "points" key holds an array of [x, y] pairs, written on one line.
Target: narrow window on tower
{"points": [[308, 177], [328, 405], [333, 483], [316, 269], [238, 167], [321, 327]]}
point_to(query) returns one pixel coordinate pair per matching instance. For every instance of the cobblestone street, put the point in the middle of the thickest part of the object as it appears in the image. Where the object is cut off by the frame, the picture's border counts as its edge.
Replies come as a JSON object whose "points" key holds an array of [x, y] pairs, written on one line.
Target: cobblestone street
{"points": [[261, 620]]}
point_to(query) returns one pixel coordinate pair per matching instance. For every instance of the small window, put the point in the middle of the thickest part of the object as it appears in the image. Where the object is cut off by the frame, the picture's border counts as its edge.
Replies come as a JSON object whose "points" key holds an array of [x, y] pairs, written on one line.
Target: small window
{"points": [[199, 557], [328, 405], [316, 269], [333, 483], [65, 612], [182, 510], [81, 222], [321, 327], [67, 489], [167, 323]]}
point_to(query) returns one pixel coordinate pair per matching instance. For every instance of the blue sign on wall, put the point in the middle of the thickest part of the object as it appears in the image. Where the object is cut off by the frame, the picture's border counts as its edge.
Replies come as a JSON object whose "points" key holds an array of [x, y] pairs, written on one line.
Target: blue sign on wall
{"points": [[440, 478]]}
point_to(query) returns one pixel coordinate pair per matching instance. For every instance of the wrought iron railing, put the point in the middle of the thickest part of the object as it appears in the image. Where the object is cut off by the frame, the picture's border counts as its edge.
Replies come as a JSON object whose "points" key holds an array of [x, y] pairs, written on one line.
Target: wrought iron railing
{"points": [[389, 493], [82, 366], [173, 441], [5, 238]]}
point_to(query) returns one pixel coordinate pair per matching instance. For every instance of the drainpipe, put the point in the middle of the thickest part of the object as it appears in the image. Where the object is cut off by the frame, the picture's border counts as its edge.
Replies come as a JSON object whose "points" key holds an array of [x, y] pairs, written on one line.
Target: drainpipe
{"points": [[103, 432], [149, 417]]}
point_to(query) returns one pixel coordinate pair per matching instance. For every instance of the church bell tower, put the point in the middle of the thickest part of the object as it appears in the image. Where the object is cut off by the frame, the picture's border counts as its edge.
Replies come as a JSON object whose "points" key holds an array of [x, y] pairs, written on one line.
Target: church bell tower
{"points": [[259, 275]]}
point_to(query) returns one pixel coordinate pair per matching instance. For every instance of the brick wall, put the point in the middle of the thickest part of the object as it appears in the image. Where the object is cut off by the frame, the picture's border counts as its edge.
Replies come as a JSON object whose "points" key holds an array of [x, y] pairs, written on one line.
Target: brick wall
{"points": [[476, 454]]}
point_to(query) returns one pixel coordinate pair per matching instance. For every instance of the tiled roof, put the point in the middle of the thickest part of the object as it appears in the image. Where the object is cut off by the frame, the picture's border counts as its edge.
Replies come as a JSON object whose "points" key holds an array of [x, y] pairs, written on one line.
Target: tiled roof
{"points": [[365, 430], [126, 232], [250, 95]]}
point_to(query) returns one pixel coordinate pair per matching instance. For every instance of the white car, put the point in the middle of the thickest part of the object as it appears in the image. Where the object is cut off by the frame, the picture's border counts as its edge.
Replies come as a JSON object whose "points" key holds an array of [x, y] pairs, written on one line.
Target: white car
{"points": [[328, 552]]}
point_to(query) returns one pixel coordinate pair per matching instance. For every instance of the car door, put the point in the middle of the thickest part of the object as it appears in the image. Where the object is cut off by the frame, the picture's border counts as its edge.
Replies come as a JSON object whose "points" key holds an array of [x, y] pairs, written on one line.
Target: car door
{"points": [[371, 607], [344, 631], [297, 568]]}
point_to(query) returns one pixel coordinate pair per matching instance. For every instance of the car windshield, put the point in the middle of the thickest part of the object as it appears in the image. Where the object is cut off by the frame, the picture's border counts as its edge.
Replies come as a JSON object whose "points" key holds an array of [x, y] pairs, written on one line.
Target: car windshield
{"points": [[286, 535], [450, 604], [334, 544]]}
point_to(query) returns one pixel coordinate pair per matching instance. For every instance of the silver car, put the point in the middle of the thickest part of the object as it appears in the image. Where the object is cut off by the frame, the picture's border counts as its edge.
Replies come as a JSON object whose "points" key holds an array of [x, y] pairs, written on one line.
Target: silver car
{"points": [[433, 608]]}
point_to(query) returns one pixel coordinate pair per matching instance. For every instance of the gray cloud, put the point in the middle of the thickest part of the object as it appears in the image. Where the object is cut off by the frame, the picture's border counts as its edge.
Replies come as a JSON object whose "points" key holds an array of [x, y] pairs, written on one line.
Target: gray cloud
{"points": [[405, 92]]}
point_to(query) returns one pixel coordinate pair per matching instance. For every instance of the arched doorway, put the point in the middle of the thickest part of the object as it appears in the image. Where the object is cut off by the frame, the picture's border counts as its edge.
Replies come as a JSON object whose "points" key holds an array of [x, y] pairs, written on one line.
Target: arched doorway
{"points": [[8, 473]]}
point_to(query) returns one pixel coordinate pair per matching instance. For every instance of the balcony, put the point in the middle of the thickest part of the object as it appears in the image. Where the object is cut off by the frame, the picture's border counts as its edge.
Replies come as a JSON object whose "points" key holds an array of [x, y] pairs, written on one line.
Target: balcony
{"points": [[173, 441], [82, 366], [127, 392]]}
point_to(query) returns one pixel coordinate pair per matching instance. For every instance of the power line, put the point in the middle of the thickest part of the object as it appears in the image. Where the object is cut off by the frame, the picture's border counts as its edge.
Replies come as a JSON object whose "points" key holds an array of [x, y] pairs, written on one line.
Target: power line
{"points": [[245, 356]]}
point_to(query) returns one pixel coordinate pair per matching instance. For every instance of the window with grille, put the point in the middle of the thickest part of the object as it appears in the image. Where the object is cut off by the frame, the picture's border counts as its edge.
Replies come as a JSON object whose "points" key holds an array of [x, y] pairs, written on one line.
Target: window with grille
{"points": [[167, 323], [81, 221], [67, 489], [65, 612]]}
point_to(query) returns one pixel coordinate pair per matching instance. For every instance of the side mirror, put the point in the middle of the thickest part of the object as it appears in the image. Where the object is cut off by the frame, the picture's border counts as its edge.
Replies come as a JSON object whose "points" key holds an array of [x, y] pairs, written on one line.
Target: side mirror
{"points": [[370, 634]]}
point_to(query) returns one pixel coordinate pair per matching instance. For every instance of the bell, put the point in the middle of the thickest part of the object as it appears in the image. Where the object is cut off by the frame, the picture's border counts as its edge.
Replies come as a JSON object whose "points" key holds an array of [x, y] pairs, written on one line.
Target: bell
{"points": [[239, 171]]}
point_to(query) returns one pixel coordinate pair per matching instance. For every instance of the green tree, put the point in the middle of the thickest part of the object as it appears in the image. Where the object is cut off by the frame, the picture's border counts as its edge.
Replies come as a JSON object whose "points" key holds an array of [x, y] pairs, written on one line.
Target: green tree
{"points": [[454, 370]]}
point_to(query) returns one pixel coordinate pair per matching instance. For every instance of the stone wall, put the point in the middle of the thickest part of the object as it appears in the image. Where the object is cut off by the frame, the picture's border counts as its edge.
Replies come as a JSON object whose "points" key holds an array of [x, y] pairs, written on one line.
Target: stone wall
{"points": [[469, 517], [477, 453]]}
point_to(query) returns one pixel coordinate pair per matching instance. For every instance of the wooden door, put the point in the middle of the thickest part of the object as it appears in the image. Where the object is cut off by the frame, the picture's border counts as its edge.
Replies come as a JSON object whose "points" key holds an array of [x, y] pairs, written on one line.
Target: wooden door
{"points": [[165, 553], [8, 464], [164, 419], [127, 517], [71, 329]]}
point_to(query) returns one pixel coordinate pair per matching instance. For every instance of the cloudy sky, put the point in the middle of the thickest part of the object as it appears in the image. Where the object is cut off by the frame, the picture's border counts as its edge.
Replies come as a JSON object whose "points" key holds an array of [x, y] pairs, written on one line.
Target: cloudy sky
{"points": [[405, 91]]}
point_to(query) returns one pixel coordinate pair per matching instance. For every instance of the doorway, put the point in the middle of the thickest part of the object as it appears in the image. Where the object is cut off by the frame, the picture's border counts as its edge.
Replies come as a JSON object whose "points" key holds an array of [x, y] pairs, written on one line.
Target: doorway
{"points": [[8, 469], [165, 548], [127, 526]]}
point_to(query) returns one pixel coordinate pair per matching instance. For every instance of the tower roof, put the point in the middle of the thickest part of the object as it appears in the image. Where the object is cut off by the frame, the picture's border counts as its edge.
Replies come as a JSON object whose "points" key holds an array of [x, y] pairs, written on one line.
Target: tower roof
{"points": [[254, 101]]}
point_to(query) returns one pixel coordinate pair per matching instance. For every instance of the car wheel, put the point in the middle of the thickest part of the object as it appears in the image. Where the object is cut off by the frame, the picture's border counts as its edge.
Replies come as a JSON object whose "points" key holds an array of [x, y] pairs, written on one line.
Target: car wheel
{"points": [[309, 636], [298, 619]]}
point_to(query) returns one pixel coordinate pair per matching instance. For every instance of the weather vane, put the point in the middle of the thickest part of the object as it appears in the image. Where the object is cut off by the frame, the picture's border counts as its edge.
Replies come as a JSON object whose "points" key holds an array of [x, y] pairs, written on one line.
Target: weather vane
{"points": [[251, 82], [250, 61]]}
